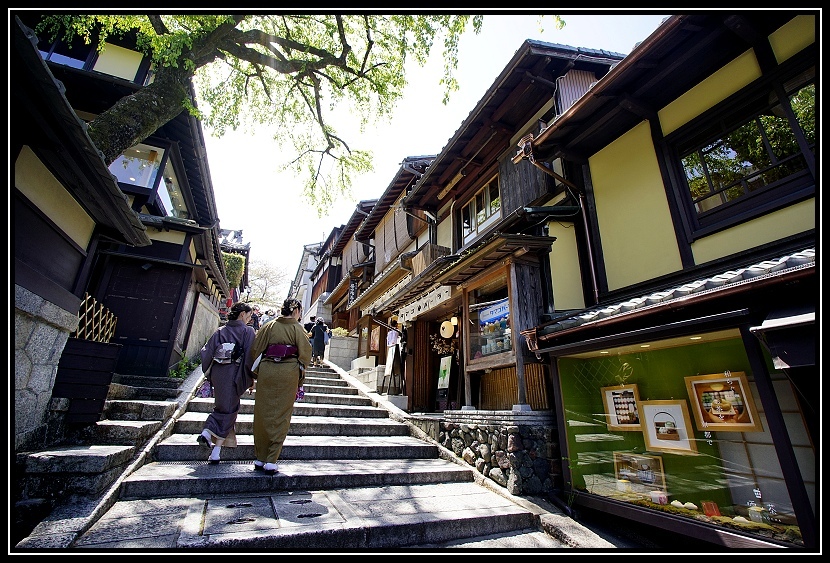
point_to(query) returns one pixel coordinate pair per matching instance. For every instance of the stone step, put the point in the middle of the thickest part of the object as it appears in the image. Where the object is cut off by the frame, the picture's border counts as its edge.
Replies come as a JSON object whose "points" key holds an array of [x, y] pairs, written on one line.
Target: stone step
{"points": [[123, 432], [184, 447], [118, 409], [129, 392], [147, 381], [330, 389], [305, 407], [374, 517], [191, 478], [79, 470], [333, 381], [193, 422]]}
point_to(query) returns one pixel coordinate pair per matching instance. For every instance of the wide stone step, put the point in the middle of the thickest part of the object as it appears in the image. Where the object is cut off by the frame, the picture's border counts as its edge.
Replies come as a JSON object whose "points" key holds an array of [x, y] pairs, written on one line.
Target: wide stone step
{"points": [[189, 478], [139, 410], [374, 517], [184, 447], [330, 389], [193, 422], [332, 381], [303, 408]]}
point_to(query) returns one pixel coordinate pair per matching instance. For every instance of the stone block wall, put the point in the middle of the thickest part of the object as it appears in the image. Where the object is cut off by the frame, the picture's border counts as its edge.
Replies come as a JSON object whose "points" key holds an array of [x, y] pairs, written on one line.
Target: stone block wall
{"points": [[41, 330], [205, 323], [341, 350], [518, 451]]}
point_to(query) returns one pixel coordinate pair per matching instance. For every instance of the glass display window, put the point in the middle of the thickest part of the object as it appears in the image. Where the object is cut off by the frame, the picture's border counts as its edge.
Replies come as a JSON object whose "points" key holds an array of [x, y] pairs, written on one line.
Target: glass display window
{"points": [[489, 319], [676, 426]]}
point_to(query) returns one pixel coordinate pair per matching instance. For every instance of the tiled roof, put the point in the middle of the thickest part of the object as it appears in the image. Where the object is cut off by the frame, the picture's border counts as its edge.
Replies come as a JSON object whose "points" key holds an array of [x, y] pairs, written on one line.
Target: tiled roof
{"points": [[798, 260]]}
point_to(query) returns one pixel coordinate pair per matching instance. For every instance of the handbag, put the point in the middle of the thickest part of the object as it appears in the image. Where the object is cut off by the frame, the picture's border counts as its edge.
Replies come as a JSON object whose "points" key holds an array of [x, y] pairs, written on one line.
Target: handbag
{"points": [[205, 390]]}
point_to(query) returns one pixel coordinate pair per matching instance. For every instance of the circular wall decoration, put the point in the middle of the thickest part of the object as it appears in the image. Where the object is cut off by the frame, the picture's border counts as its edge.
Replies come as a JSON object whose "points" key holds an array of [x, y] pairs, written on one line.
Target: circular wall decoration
{"points": [[447, 330]]}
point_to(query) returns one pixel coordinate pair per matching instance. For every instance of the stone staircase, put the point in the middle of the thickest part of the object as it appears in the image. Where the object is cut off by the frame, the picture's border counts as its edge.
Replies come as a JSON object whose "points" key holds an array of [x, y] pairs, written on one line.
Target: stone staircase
{"points": [[92, 458], [350, 477]]}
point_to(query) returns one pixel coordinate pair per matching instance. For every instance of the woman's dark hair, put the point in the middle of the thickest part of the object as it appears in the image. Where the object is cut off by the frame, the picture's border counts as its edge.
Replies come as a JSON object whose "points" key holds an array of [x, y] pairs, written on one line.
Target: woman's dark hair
{"points": [[237, 309], [289, 306]]}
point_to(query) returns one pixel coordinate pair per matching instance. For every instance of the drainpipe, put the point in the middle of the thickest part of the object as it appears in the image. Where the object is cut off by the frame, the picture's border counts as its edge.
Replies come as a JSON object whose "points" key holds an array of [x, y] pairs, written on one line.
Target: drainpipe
{"points": [[581, 195]]}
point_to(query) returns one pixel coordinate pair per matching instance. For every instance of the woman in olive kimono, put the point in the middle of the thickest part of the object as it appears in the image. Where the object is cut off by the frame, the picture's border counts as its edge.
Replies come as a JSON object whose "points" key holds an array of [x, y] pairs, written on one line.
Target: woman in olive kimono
{"points": [[277, 383], [230, 376]]}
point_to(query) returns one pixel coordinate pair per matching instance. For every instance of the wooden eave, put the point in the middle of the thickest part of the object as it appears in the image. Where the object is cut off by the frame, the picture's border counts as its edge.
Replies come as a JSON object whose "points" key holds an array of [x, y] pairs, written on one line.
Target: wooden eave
{"points": [[456, 269], [362, 210], [45, 121], [679, 54], [521, 90], [411, 169]]}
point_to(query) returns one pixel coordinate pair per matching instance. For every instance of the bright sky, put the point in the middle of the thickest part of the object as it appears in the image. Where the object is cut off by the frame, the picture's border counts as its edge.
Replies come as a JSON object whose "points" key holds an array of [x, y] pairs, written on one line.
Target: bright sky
{"points": [[277, 223]]}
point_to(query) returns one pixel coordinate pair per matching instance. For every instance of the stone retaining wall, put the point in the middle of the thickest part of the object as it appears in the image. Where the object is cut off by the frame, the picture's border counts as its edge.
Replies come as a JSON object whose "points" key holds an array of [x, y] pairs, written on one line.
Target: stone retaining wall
{"points": [[518, 451]]}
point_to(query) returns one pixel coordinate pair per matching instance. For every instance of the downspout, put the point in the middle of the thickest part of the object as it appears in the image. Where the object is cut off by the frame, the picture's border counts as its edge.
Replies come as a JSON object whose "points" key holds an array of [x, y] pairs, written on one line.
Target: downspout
{"points": [[581, 196]]}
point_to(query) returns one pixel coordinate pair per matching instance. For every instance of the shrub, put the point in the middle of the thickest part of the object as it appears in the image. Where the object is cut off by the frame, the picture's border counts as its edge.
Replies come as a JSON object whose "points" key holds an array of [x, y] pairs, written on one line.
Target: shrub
{"points": [[183, 368], [339, 331]]}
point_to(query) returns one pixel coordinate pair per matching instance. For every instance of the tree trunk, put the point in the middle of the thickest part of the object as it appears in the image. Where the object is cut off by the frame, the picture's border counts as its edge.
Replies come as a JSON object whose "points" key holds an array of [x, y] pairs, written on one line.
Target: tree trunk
{"points": [[137, 116]]}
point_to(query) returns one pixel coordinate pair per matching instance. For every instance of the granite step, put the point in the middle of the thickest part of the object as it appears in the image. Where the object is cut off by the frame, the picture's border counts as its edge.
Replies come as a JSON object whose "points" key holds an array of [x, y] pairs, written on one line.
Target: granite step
{"points": [[374, 517], [184, 447], [130, 392], [306, 408], [193, 422], [146, 381], [139, 410], [191, 478]]}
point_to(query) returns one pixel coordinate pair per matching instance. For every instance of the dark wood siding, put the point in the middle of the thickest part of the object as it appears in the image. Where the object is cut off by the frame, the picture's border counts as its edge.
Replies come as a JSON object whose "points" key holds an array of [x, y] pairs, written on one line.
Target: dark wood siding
{"points": [[522, 184], [391, 238], [84, 375], [146, 303], [41, 244]]}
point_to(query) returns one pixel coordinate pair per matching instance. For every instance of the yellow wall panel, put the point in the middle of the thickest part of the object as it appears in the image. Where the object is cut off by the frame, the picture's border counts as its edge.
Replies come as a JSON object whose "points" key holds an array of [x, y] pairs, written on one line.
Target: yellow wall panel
{"points": [[769, 228], [793, 36], [38, 184], [118, 61], [717, 87], [636, 229], [176, 237]]}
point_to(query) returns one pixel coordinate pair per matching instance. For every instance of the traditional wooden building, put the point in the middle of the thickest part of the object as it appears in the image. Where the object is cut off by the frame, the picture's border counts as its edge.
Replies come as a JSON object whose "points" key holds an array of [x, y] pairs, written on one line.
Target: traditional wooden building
{"points": [[64, 203], [354, 265], [166, 295], [686, 378]]}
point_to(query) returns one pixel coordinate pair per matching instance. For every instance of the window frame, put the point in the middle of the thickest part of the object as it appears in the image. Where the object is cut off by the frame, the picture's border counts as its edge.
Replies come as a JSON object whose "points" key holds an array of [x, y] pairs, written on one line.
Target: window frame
{"points": [[470, 206], [737, 110], [149, 195]]}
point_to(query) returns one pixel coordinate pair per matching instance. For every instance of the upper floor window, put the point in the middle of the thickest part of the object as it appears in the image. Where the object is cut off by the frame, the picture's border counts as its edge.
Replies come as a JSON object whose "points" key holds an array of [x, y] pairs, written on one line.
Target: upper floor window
{"points": [[75, 54], [754, 157], [146, 171], [482, 211]]}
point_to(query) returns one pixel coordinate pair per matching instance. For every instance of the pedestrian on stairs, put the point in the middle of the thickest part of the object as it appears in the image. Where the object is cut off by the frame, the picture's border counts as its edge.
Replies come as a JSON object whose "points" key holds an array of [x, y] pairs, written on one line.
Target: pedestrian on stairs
{"points": [[277, 383], [226, 353], [318, 342]]}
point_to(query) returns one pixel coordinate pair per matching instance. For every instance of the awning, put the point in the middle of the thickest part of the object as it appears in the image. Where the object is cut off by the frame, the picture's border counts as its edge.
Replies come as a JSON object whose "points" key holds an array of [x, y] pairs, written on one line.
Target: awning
{"points": [[790, 337]]}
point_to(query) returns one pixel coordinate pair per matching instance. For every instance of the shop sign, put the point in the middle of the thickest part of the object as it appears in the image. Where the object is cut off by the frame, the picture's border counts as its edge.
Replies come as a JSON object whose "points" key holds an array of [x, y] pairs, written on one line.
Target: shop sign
{"points": [[497, 311], [427, 301]]}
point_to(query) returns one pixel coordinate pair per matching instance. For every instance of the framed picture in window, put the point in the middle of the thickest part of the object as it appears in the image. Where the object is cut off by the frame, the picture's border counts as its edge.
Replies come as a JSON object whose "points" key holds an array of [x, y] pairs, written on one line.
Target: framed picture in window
{"points": [[643, 473], [667, 427], [622, 410], [723, 401]]}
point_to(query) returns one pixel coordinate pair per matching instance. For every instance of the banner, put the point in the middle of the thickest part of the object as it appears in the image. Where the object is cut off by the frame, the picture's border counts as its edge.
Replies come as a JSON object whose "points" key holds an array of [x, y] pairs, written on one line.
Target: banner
{"points": [[444, 372], [495, 312]]}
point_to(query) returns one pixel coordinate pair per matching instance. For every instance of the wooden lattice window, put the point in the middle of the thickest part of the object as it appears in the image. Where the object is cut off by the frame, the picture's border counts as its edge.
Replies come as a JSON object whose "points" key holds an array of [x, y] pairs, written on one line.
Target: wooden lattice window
{"points": [[95, 322]]}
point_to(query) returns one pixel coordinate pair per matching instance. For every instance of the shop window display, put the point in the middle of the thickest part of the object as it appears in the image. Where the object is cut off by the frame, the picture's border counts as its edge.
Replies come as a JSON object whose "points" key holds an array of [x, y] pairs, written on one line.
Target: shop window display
{"points": [[676, 426], [489, 313]]}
